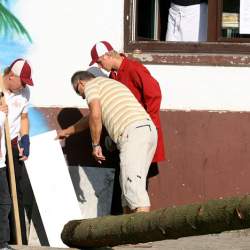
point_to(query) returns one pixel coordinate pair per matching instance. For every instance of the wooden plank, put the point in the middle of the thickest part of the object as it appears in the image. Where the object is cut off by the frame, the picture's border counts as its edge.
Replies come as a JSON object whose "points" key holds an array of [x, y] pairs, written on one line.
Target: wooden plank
{"points": [[12, 177]]}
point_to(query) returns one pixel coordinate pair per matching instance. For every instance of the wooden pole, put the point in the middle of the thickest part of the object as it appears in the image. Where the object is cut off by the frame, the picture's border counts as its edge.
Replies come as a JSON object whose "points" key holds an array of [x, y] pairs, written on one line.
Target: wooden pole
{"points": [[214, 216], [12, 177]]}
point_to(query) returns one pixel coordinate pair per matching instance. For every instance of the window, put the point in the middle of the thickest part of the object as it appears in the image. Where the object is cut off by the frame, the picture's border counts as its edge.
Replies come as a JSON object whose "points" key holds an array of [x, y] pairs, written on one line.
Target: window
{"points": [[230, 22], [145, 25]]}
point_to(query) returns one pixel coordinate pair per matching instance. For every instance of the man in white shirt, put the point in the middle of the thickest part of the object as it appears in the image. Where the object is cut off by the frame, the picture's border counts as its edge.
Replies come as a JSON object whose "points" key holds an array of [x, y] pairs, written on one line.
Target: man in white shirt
{"points": [[16, 78]]}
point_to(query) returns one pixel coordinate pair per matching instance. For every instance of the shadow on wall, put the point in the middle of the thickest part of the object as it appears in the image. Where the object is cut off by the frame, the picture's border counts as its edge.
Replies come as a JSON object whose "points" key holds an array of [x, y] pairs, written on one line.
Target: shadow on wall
{"points": [[78, 152], [77, 148]]}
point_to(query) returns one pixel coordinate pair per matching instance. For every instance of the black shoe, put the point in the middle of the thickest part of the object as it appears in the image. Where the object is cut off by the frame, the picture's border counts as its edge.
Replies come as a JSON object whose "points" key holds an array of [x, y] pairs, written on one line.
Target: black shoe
{"points": [[6, 247]]}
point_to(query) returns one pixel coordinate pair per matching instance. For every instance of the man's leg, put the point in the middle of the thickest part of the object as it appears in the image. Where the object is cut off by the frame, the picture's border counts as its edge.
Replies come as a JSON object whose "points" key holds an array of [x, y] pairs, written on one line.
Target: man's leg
{"points": [[5, 206], [173, 29], [137, 148], [116, 207], [4, 224], [19, 172], [152, 172]]}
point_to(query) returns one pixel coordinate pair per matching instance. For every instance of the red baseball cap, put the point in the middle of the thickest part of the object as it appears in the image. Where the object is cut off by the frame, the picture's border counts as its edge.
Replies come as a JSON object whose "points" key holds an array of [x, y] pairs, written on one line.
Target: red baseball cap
{"points": [[21, 68], [99, 49]]}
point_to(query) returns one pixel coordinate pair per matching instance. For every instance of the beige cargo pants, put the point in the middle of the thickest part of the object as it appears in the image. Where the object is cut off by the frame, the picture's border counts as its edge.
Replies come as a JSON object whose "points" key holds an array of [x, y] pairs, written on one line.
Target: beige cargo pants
{"points": [[137, 146]]}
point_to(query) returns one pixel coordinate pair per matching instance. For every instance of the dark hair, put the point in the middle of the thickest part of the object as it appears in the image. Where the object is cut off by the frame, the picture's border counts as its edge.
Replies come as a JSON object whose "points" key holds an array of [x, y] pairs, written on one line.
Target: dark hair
{"points": [[6, 71], [81, 75]]}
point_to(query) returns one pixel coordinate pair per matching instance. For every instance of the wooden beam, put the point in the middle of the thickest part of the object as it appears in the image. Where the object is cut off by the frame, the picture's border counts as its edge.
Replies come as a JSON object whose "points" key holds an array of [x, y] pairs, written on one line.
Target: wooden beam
{"points": [[11, 171]]}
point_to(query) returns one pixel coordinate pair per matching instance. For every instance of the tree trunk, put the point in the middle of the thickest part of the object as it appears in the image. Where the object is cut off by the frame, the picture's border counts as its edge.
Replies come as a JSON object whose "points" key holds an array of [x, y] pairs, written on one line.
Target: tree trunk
{"points": [[214, 216]]}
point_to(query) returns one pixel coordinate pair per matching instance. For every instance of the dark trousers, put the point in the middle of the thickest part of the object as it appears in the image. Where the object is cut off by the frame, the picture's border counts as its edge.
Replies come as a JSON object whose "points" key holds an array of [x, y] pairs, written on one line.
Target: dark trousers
{"points": [[5, 207], [19, 175]]}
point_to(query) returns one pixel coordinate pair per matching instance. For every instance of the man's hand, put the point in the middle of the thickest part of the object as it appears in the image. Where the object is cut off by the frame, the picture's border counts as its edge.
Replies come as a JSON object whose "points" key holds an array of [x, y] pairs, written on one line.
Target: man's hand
{"points": [[22, 157], [4, 108], [97, 153], [24, 147], [62, 134]]}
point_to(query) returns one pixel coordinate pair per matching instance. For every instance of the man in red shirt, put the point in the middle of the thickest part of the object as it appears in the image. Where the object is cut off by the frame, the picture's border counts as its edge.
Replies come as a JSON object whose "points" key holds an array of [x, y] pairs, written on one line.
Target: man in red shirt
{"points": [[138, 79], [140, 82]]}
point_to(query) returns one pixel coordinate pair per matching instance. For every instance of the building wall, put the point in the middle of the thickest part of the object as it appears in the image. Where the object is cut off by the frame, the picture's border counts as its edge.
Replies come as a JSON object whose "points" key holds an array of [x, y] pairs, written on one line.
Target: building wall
{"points": [[204, 108], [63, 34], [203, 87], [207, 155]]}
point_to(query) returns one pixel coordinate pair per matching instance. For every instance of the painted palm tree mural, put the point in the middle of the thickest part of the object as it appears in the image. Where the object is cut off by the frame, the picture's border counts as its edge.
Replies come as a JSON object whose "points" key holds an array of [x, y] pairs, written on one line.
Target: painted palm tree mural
{"points": [[9, 23], [14, 43], [14, 38]]}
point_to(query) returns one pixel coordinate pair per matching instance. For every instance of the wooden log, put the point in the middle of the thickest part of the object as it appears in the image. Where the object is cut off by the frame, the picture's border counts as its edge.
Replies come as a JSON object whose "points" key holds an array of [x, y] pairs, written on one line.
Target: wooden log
{"points": [[215, 216]]}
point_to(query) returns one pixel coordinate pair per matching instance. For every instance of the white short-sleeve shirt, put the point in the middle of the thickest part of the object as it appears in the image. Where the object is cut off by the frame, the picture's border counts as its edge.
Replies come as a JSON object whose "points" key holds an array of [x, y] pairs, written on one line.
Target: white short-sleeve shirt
{"points": [[17, 104]]}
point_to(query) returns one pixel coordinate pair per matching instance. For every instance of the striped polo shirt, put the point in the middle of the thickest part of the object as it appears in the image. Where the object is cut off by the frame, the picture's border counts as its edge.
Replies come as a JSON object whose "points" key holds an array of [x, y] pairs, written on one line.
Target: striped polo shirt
{"points": [[119, 107]]}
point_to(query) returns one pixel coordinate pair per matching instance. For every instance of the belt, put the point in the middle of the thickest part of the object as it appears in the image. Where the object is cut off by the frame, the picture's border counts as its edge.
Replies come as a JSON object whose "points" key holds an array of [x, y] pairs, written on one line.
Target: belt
{"points": [[14, 141]]}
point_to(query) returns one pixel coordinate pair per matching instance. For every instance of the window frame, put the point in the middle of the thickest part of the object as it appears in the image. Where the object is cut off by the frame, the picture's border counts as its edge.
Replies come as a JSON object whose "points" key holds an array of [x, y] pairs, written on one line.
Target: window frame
{"points": [[224, 46]]}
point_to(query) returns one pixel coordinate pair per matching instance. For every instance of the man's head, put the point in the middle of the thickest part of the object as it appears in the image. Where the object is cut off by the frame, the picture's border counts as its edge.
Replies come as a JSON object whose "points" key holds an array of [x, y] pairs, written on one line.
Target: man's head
{"points": [[17, 75], [103, 54], [79, 79]]}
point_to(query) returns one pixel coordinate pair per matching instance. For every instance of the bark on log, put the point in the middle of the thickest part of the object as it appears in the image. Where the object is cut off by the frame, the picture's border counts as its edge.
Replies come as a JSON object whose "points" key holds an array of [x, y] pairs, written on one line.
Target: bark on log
{"points": [[215, 216]]}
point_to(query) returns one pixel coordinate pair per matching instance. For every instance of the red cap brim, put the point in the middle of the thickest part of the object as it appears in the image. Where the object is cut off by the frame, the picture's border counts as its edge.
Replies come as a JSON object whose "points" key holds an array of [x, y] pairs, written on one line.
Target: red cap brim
{"points": [[92, 62], [28, 81]]}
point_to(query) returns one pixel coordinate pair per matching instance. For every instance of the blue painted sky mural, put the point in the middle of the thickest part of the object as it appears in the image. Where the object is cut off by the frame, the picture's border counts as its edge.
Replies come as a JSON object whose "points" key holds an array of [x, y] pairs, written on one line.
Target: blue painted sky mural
{"points": [[14, 38], [38, 124], [14, 43]]}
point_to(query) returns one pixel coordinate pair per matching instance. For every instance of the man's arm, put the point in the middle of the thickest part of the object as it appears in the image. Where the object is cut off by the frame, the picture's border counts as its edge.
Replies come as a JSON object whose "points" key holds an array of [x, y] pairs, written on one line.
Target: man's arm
{"points": [[24, 124], [95, 121], [4, 108], [95, 125], [151, 92], [77, 127], [24, 144]]}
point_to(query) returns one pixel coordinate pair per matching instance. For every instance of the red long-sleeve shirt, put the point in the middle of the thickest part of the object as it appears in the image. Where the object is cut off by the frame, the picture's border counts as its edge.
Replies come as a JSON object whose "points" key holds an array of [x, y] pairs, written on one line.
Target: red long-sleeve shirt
{"points": [[147, 91]]}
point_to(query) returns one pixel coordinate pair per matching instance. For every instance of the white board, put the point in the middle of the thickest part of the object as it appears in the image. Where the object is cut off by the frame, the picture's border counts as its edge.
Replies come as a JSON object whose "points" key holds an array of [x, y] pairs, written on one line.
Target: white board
{"points": [[52, 185]]}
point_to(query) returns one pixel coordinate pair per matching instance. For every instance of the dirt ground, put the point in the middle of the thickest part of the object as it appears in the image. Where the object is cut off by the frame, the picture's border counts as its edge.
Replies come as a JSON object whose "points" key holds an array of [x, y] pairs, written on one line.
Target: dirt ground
{"points": [[233, 240]]}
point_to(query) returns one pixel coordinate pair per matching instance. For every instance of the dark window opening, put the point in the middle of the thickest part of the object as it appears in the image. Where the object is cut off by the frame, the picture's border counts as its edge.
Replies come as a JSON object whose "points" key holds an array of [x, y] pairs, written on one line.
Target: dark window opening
{"points": [[145, 19], [152, 18], [231, 20], [146, 23]]}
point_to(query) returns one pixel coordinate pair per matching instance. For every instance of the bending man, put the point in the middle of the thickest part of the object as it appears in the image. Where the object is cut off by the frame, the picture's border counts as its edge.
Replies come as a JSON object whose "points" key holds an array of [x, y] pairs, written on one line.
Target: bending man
{"points": [[112, 104]]}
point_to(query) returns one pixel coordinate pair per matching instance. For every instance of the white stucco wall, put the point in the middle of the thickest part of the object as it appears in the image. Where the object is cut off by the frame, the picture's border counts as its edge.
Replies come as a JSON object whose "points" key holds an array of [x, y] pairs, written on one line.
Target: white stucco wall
{"points": [[204, 88], [63, 34]]}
